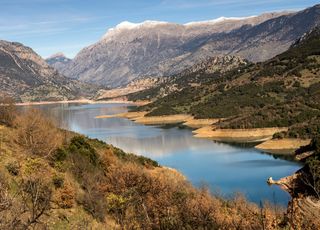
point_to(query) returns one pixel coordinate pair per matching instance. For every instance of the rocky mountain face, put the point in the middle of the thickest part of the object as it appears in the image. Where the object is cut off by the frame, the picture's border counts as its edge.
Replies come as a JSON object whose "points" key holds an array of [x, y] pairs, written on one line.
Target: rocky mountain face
{"points": [[151, 48], [193, 77], [130, 51], [58, 61], [25, 76], [134, 86], [168, 84]]}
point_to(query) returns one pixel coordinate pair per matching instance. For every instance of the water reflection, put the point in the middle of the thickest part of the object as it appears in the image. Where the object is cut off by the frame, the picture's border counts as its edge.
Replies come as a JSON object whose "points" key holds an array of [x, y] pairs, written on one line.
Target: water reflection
{"points": [[230, 168]]}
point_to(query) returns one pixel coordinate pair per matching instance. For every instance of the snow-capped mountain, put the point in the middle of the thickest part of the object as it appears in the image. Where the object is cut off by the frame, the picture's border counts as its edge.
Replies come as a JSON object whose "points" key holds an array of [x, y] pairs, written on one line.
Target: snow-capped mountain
{"points": [[151, 48]]}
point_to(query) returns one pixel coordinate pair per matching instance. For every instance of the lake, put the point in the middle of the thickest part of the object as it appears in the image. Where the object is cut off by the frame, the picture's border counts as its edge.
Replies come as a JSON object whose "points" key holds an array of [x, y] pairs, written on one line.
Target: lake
{"points": [[225, 168]]}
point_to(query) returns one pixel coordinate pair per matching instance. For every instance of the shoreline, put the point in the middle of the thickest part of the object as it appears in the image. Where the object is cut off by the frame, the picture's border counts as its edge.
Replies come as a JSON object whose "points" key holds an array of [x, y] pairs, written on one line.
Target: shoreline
{"points": [[204, 128], [140, 118], [80, 101], [237, 135], [285, 146]]}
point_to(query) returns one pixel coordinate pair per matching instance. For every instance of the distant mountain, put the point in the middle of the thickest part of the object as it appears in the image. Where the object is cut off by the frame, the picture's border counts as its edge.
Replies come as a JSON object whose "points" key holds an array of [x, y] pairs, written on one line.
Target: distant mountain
{"points": [[25, 76], [58, 61], [283, 91], [152, 48]]}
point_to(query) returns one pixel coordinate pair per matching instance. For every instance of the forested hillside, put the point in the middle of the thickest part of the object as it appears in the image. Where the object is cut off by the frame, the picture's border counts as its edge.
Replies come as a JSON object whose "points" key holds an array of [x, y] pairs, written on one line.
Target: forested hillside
{"points": [[284, 91]]}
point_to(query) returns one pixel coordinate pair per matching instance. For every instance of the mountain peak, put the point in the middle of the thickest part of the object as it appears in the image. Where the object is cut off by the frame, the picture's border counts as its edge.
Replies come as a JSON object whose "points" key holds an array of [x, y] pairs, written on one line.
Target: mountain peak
{"points": [[57, 55], [218, 20], [58, 60], [126, 25], [131, 25]]}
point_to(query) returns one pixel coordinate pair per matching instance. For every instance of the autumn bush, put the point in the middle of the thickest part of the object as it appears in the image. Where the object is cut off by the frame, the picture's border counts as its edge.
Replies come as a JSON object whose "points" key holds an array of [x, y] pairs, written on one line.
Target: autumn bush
{"points": [[7, 111], [65, 196], [28, 207], [37, 134]]}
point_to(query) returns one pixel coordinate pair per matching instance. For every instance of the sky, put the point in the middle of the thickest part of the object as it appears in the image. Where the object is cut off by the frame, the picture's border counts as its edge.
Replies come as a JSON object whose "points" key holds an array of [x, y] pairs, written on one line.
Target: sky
{"points": [[51, 26]]}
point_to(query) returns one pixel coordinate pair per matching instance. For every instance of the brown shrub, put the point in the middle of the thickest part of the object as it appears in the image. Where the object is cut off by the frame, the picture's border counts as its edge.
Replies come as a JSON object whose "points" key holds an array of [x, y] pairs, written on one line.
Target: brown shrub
{"points": [[37, 134], [27, 209], [65, 197], [7, 111]]}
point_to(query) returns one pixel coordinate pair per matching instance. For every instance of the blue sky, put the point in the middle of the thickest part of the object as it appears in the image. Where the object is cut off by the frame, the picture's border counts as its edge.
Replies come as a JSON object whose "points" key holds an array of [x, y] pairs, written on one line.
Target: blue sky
{"points": [[50, 26]]}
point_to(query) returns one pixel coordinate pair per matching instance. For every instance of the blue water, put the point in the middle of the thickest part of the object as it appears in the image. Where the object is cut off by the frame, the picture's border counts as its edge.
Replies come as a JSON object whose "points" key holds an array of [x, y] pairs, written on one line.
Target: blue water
{"points": [[225, 168]]}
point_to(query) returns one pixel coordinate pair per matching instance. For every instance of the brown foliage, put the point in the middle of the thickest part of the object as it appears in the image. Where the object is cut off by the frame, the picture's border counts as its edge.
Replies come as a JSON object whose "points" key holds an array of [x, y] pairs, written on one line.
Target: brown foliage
{"points": [[65, 196], [37, 134], [7, 111], [27, 208], [140, 198]]}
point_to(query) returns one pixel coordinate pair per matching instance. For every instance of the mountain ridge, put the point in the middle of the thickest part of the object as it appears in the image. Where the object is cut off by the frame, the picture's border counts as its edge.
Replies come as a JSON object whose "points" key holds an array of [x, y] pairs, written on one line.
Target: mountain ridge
{"points": [[25, 76], [124, 55], [165, 49]]}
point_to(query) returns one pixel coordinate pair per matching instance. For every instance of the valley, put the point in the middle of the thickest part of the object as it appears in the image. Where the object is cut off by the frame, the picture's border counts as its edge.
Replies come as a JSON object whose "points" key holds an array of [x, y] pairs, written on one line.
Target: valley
{"points": [[211, 124]]}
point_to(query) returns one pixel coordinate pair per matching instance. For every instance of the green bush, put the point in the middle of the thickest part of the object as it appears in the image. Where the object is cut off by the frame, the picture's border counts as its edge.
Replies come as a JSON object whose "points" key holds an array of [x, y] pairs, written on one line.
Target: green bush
{"points": [[60, 154], [145, 161], [80, 145]]}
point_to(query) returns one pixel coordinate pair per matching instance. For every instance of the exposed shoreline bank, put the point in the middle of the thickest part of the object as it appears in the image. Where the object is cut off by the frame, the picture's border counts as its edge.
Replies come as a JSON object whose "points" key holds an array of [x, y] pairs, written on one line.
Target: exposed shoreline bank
{"points": [[185, 119], [286, 146], [237, 135], [80, 101], [204, 128]]}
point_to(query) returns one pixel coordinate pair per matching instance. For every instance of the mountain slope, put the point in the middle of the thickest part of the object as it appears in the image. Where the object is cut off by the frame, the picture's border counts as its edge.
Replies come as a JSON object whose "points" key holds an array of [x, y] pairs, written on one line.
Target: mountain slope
{"points": [[194, 76], [130, 50], [58, 61], [25, 76], [284, 91]]}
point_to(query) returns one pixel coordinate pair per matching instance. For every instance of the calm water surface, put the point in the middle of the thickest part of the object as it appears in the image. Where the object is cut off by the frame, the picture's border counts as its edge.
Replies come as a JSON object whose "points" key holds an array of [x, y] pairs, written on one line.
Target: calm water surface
{"points": [[227, 169]]}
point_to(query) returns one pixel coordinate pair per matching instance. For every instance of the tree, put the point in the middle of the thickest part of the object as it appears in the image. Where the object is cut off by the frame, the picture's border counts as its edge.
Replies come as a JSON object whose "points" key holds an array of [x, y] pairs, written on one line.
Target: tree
{"points": [[26, 209]]}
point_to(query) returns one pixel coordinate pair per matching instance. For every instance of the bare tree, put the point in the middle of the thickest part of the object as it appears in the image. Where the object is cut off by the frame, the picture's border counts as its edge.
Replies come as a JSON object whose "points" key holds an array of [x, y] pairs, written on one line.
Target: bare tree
{"points": [[37, 134], [36, 196]]}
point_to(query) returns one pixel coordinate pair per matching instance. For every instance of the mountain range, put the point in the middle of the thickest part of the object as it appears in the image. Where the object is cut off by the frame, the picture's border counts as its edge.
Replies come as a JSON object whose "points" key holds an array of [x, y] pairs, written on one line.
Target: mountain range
{"points": [[25, 76], [150, 49], [130, 51]]}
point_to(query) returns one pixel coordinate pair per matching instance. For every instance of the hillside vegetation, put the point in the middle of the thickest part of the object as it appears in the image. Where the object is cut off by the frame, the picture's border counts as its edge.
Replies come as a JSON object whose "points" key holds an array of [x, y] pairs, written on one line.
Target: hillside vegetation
{"points": [[54, 179], [283, 92]]}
